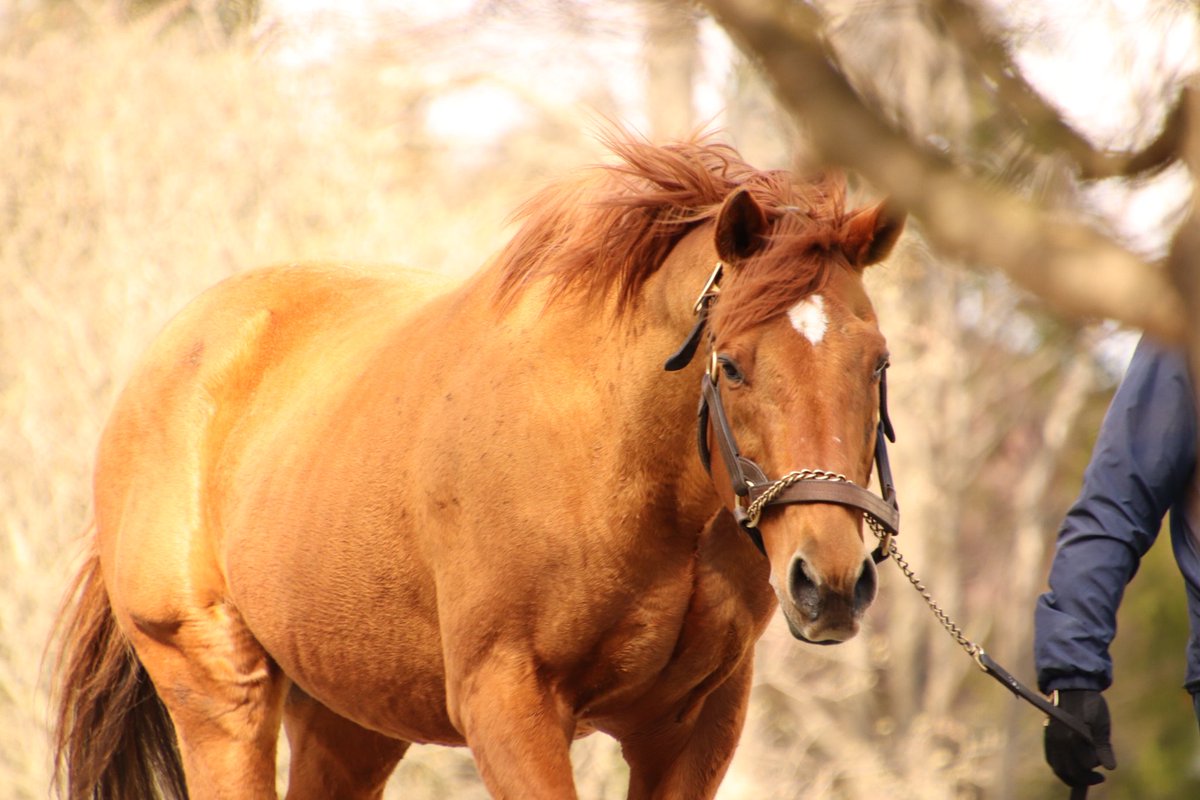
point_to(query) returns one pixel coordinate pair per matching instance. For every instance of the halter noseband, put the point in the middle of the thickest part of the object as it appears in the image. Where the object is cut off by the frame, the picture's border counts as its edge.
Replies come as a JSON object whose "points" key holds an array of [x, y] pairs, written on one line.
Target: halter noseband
{"points": [[751, 484]]}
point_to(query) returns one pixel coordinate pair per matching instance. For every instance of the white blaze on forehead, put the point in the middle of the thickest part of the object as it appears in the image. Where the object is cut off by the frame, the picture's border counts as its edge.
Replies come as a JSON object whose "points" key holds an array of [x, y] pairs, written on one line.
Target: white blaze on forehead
{"points": [[808, 317]]}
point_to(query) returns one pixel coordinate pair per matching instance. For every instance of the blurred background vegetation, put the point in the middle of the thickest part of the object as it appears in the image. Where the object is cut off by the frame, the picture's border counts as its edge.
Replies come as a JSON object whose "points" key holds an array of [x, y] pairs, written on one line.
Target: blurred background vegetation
{"points": [[153, 147]]}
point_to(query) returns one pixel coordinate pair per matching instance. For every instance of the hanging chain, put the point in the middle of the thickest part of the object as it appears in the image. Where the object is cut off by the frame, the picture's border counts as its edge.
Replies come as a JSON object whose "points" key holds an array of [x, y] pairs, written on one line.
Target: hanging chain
{"points": [[888, 544]]}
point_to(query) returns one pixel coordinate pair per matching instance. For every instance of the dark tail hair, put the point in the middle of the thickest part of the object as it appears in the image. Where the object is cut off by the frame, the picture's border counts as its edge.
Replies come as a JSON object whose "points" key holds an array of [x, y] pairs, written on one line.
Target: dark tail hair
{"points": [[113, 738]]}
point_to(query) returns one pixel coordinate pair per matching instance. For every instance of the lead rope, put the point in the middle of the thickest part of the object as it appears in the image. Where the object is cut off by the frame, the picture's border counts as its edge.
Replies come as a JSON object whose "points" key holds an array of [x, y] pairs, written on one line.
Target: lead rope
{"points": [[985, 662]]}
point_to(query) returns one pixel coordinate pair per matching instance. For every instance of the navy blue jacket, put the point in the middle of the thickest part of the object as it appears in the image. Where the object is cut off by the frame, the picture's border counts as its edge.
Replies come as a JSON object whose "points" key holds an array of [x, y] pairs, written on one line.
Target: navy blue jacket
{"points": [[1143, 465]]}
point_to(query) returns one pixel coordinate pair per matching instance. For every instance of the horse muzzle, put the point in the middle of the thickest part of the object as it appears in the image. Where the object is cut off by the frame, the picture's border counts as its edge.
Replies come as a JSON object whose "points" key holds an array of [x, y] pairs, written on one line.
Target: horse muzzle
{"points": [[820, 611]]}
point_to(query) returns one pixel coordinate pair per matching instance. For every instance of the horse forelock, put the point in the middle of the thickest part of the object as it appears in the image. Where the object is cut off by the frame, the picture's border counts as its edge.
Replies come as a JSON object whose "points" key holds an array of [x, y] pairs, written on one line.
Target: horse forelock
{"points": [[797, 259], [608, 229]]}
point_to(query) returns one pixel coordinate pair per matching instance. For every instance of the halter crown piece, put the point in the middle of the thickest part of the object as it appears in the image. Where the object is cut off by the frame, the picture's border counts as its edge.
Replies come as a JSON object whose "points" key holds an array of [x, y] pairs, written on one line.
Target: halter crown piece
{"points": [[755, 492]]}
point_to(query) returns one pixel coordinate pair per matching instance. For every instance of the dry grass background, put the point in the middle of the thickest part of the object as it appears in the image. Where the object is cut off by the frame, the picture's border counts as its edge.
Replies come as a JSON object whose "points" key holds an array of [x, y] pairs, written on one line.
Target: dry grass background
{"points": [[139, 167]]}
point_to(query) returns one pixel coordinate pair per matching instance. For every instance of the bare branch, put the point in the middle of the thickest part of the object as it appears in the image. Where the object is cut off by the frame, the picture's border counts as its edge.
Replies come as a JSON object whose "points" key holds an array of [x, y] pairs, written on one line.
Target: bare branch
{"points": [[1042, 120], [1077, 271]]}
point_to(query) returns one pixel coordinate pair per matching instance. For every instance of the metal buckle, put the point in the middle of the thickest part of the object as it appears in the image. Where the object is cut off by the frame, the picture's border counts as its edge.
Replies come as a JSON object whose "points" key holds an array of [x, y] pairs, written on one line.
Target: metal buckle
{"points": [[1053, 698], [977, 653], [710, 290]]}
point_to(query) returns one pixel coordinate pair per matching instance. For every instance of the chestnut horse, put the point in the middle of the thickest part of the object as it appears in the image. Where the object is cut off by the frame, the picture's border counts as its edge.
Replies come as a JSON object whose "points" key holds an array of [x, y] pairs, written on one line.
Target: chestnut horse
{"points": [[378, 507]]}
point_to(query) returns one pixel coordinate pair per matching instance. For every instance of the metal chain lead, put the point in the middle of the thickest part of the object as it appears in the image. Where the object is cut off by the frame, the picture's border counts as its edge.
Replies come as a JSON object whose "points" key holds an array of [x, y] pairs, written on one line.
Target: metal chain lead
{"points": [[886, 543], [889, 548], [755, 509]]}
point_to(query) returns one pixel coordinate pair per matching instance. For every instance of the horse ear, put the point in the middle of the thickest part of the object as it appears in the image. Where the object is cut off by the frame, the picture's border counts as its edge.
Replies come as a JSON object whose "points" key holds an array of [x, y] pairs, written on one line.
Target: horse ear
{"points": [[871, 233], [741, 227]]}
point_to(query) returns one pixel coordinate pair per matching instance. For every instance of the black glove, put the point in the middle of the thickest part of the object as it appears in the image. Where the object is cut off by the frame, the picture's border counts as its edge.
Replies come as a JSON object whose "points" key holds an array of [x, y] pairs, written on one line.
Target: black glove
{"points": [[1070, 756]]}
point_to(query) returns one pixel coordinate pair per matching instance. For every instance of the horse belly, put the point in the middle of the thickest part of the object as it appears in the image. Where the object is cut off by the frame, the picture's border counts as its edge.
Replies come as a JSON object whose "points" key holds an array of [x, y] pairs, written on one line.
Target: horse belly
{"points": [[329, 577], [357, 635]]}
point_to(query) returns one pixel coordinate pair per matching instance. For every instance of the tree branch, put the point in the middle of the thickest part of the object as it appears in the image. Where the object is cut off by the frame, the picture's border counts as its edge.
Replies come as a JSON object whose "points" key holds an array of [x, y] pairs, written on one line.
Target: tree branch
{"points": [[1044, 122], [1077, 271]]}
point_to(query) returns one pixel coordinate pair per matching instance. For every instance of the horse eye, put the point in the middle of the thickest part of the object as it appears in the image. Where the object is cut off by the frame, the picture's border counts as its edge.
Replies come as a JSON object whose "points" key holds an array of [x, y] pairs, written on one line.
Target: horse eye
{"points": [[733, 373]]}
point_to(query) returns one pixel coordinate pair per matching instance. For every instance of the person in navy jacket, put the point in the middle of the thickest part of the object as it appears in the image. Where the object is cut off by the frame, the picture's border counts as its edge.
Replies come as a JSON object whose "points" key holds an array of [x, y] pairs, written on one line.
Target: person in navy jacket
{"points": [[1143, 465]]}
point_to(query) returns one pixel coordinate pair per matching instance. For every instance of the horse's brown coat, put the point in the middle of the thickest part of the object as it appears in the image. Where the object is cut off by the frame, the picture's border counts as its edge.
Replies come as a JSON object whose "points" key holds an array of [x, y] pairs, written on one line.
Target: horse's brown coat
{"points": [[387, 509]]}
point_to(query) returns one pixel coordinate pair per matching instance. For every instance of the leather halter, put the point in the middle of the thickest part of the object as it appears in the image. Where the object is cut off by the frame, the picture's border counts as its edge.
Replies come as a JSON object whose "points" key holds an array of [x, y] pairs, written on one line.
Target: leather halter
{"points": [[750, 483]]}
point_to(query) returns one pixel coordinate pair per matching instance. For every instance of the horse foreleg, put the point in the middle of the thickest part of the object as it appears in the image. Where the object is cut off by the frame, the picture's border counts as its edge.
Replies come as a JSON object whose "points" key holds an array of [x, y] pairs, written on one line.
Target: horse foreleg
{"points": [[689, 757], [334, 757], [518, 733]]}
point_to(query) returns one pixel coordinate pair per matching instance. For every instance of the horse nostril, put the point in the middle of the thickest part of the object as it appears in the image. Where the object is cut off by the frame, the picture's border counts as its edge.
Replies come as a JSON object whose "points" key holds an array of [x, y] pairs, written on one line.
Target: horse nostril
{"points": [[865, 588], [803, 589]]}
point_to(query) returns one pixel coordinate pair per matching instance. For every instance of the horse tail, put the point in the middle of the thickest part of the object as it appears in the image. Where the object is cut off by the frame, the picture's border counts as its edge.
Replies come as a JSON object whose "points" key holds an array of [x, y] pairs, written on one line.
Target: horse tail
{"points": [[113, 738]]}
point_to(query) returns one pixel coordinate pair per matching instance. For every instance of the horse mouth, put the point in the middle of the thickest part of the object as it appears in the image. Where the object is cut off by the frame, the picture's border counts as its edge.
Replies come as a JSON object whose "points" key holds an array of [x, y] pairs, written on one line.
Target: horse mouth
{"points": [[800, 636], [798, 632]]}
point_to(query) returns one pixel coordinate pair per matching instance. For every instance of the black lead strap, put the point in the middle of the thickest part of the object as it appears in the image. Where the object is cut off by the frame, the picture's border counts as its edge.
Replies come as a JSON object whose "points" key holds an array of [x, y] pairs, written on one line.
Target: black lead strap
{"points": [[1006, 679]]}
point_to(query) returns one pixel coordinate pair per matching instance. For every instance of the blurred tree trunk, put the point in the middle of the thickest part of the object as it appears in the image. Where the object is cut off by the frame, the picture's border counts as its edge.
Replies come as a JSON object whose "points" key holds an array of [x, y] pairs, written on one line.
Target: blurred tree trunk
{"points": [[1183, 261], [671, 58], [221, 19]]}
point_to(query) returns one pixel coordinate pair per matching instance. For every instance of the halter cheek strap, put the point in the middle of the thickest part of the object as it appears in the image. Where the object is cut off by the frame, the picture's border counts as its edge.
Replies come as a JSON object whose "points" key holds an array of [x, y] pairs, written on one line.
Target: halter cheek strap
{"points": [[751, 484]]}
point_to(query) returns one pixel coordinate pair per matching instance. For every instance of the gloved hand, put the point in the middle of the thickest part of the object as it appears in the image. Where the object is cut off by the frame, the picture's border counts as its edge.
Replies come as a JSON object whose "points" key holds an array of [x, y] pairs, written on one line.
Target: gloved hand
{"points": [[1069, 754]]}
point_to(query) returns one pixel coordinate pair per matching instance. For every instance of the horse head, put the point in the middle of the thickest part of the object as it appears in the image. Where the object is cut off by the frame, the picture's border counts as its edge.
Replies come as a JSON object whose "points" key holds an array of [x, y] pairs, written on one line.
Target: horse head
{"points": [[792, 388], [793, 356]]}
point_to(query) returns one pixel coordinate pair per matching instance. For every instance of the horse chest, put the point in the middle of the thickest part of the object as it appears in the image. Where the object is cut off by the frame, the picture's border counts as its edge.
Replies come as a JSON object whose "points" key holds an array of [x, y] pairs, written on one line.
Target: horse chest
{"points": [[680, 641]]}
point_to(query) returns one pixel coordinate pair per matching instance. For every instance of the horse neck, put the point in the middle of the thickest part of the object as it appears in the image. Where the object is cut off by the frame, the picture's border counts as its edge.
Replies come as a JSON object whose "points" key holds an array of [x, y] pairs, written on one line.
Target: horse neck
{"points": [[636, 421], [656, 409]]}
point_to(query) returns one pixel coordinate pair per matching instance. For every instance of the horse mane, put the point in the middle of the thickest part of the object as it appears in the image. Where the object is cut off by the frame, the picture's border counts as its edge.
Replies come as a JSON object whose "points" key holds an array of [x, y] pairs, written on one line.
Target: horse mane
{"points": [[609, 228]]}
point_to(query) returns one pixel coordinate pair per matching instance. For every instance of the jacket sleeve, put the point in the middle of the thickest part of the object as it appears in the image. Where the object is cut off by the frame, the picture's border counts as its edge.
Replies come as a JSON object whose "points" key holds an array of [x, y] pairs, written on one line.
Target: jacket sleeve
{"points": [[1141, 464]]}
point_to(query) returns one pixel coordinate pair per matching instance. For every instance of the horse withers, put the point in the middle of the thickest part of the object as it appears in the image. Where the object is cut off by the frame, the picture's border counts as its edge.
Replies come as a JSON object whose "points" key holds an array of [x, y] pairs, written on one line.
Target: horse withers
{"points": [[378, 507]]}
